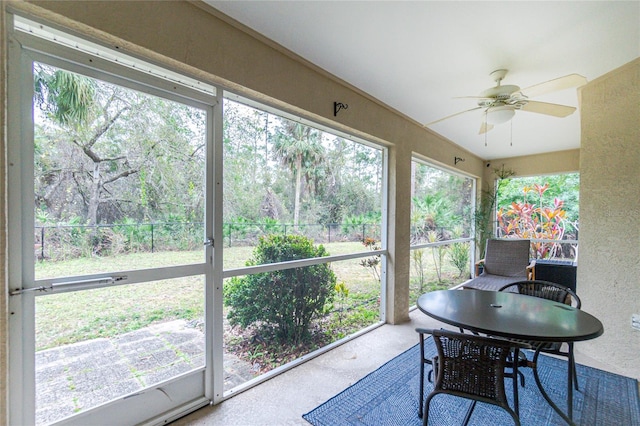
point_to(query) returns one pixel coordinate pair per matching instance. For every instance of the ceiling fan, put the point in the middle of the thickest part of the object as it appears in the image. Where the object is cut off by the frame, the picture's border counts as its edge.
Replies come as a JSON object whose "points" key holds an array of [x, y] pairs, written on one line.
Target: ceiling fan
{"points": [[501, 102]]}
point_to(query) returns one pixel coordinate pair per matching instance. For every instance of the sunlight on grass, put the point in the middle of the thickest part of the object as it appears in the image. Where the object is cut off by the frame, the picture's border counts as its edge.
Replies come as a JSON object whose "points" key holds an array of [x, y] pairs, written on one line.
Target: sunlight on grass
{"points": [[125, 262], [78, 316], [107, 312]]}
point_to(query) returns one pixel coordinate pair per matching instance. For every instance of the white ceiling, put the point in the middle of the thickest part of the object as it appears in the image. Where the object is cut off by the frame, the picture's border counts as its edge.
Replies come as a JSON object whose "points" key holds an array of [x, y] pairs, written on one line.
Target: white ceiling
{"points": [[417, 56]]}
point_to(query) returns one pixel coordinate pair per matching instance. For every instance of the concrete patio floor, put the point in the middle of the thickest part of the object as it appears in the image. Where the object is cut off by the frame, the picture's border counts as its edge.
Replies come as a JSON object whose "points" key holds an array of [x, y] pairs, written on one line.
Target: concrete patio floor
{"points": [[78, 376]]}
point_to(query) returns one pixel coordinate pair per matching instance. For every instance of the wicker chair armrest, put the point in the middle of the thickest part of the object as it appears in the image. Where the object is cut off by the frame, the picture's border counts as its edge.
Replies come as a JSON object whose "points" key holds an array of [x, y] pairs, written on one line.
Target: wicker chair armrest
{"points": [[424, 330]]}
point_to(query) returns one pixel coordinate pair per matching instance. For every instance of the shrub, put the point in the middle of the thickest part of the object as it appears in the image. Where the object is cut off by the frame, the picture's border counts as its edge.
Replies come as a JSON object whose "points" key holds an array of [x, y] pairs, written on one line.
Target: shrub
{"points": [[535, 221], [287, 300], [459, 256], [371, 262]]}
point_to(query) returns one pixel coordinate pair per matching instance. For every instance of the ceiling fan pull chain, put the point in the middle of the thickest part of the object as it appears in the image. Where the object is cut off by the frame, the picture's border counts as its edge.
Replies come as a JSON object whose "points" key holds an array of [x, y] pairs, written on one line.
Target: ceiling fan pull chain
{"points": [[485, 128], [511, 138]]}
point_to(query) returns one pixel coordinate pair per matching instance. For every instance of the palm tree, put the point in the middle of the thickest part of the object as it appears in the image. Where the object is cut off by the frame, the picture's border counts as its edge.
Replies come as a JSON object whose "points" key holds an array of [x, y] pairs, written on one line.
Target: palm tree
{"points": [[432, 212], [298, 147], [67, 97]]}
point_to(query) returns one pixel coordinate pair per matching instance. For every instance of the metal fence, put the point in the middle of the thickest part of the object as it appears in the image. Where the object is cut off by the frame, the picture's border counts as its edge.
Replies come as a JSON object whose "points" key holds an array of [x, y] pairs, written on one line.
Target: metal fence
{"points": [[64, 242], [245, 234]]}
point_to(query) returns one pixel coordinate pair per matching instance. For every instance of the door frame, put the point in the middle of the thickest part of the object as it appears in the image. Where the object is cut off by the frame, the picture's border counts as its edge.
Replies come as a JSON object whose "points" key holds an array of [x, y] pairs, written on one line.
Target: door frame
{"points": [[150, 404]]}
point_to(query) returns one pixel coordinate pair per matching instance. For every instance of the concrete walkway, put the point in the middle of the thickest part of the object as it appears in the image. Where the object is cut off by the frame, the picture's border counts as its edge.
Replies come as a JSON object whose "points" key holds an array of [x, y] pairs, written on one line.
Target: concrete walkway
{"points": [[80, 376]]}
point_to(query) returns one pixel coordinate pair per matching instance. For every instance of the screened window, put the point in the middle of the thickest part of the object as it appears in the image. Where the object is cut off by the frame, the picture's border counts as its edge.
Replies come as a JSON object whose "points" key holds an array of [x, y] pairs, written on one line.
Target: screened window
{"points": [[110, 174], [441, 243], [543, 209], [295, 192]]}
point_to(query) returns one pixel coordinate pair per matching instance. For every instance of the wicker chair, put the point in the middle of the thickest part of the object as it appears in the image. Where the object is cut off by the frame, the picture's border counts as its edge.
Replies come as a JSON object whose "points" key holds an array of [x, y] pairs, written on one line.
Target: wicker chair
{"points": [[557, 293], [471, 367], [505, 262]]}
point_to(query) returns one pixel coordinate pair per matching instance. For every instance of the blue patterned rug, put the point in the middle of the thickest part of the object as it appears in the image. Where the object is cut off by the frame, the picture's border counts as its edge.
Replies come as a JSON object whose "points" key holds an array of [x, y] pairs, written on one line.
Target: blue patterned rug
{"points": [[389, 396]]}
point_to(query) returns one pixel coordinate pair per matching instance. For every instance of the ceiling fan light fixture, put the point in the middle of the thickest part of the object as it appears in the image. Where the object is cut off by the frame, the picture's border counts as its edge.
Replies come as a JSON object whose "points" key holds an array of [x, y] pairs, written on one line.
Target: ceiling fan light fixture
{"points": [[499, 114], [499, 103]]}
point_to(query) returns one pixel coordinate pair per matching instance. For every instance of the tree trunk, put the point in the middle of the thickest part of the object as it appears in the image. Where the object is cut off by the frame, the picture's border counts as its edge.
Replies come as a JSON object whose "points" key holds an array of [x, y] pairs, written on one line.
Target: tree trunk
{"points": [[298, 190], [94, 199]]}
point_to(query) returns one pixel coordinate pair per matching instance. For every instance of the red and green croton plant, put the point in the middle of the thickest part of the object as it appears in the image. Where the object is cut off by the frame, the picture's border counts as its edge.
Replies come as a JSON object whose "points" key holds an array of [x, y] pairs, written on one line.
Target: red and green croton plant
{"points": [[534, 221]]}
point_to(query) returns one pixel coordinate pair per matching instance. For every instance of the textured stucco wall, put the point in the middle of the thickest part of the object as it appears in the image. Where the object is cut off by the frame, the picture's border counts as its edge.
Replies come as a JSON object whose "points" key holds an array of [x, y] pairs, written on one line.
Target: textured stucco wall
{"points": [[609, 262], [540, 164]]}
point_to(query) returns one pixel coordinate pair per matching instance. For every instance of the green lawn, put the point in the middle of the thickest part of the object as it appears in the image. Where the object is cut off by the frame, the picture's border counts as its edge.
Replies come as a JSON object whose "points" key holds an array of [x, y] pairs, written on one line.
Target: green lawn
{"points": [[77, 316]]}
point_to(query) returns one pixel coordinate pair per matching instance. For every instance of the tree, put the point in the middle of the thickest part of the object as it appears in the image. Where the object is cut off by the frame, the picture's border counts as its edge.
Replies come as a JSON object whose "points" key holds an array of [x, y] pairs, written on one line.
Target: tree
{"points": [[66, 97], [441, 201], [247, 147], [564, 186], [106, 152], [72, 101], [298, 147], [325, 178], [432, 213]]}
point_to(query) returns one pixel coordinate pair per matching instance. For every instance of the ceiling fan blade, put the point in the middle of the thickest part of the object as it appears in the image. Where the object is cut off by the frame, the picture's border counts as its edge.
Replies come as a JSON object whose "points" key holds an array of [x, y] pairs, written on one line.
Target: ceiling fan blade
{"points": [[452, 115], [561, 83], [555, 110], [485, 127]]}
